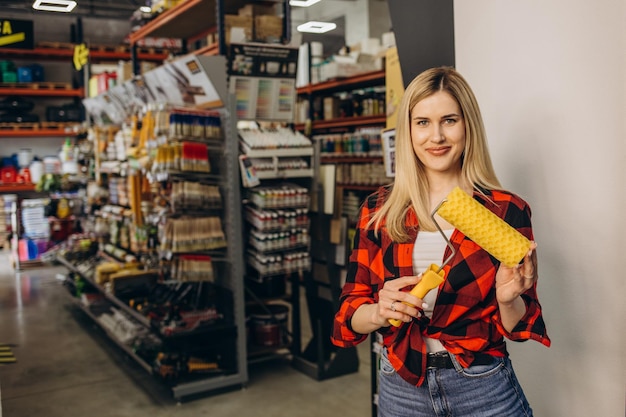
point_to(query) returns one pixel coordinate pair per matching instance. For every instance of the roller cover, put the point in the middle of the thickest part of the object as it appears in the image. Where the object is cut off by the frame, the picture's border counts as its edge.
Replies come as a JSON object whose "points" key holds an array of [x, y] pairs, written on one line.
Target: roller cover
{"points": [[486, 229]]}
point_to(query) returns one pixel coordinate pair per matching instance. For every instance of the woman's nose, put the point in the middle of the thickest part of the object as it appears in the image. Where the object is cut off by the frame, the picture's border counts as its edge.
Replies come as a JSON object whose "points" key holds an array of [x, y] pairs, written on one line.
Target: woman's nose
{"points": [[437, 135]]}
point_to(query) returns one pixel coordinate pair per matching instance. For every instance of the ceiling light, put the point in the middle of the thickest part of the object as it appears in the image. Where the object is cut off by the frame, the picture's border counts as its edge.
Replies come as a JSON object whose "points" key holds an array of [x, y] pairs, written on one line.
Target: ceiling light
{"points": [[64, 6], [316, 27], [145, 9], [302, 3]]}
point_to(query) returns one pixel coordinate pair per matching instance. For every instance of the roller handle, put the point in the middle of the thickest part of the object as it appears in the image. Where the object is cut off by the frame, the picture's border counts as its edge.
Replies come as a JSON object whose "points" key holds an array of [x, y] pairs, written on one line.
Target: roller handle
{"points": [[431, 278]]}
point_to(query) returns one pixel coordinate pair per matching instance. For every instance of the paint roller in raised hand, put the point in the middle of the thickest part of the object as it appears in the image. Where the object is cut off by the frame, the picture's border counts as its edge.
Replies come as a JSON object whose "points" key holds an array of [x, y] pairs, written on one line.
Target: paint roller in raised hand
{"points": [[478, 223]]}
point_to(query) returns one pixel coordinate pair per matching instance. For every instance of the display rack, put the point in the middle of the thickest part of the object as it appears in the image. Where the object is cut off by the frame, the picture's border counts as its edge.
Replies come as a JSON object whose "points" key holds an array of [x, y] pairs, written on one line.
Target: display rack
{"points": [[329, 246], [347, 138], [190, 321], [277, 223]]}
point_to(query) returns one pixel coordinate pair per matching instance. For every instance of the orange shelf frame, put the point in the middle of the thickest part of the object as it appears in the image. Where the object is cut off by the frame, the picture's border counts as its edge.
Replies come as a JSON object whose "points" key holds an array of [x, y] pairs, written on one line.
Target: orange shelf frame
{"points": [[350, 122], [196, 15], [372, 78], [12, 90], [66, 53], [35, 133], [16, 188]]}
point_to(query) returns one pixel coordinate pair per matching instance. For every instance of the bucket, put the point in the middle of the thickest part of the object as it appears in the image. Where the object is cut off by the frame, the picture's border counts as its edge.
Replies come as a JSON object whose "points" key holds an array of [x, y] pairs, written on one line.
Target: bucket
{"points": [[24, 157], [36, 171], [269, 324]]}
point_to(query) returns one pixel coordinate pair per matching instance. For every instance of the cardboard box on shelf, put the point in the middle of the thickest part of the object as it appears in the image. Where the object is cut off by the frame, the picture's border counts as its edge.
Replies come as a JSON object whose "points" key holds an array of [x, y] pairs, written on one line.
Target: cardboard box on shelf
{"points": [[332, 70], [268, 28], [342, 66], [125, 69], [237, 21], [253, 10]]}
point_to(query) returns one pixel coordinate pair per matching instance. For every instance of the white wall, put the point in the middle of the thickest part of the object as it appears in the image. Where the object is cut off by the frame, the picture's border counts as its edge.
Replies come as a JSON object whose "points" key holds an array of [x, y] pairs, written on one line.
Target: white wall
{"points": [[551, 81]]}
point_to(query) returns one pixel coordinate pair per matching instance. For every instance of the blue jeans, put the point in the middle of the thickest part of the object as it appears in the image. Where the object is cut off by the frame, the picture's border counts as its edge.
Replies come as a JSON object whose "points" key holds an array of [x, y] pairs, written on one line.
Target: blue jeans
{"points": [[478, 391]]}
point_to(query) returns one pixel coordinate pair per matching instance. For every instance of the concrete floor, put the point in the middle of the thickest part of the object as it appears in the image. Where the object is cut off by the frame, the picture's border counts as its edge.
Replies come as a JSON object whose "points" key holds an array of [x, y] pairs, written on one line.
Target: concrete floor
{"points": [[67, 368]]}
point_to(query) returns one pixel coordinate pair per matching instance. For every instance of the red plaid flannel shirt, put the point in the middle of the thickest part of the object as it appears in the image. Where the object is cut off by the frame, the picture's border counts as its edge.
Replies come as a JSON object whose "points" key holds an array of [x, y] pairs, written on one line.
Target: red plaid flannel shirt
{"points": [[465, 319]]}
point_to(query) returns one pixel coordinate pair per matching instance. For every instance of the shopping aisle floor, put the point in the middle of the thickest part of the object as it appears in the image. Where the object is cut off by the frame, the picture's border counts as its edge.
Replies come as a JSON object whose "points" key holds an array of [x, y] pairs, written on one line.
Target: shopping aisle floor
{"points": [[66, 368]]}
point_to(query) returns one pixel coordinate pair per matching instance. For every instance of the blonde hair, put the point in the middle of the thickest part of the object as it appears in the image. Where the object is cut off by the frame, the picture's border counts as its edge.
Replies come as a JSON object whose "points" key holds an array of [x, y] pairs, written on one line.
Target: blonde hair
{"points": [[411, 188]]}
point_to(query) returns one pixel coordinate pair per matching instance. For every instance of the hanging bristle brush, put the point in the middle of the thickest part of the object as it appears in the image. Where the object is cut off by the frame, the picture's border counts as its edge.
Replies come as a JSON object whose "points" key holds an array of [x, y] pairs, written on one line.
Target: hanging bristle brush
{"points": [[434, 275]]}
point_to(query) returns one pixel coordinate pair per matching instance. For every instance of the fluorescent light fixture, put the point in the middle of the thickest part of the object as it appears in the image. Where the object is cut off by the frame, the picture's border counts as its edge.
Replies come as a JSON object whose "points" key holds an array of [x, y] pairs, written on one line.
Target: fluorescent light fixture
{"points": [[316, 27], [64, 6], [145, 9], [302, 3]]}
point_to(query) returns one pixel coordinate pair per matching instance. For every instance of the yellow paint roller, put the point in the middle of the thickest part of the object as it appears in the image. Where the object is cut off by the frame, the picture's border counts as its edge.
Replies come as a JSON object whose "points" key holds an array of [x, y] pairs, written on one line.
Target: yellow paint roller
{"points": [[486, 229], [481, 225], [434, 275]]}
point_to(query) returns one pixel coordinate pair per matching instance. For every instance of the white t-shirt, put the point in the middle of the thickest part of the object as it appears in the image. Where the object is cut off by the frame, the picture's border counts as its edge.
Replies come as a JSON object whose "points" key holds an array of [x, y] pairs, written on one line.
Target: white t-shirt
{"points": [[429, 249]]}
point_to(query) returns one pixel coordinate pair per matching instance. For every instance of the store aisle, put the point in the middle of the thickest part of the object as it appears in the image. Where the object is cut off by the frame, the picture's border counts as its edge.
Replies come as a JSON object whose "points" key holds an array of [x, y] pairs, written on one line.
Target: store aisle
{"points": [[66, 368]]}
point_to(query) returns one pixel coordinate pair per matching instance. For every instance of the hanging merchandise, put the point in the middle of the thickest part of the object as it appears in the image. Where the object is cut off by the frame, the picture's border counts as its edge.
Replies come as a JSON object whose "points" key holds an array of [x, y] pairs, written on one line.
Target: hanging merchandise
{"points": [[170, 227]]}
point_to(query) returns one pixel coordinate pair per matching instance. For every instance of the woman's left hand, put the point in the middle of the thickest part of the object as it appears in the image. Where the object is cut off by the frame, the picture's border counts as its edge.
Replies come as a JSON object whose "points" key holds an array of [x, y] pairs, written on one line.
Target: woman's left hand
{"points": [[512, 282]]}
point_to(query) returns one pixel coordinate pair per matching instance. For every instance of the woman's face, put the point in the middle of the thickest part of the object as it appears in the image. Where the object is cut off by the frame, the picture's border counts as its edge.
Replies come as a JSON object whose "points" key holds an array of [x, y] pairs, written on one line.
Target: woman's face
{"points": [[438, 133]]}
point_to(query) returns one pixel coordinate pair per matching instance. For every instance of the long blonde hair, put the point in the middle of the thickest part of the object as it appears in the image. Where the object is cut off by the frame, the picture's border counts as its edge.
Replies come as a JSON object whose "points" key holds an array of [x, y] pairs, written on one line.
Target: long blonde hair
{"points": [[411, 188]]}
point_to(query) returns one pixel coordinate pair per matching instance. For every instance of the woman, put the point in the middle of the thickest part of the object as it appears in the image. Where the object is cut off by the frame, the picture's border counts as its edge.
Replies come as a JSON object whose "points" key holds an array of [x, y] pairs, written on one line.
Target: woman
{"points": [[448, 356]]}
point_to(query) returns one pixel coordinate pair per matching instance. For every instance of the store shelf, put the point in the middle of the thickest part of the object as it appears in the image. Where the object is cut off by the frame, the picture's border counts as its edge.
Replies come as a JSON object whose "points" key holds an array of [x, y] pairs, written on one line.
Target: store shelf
{"points": [[360, 187], [342, 84], [43, 89], [95, 54], [112, 337], [348, 159], [285, 173], [30, 132], [114, 300], [16, 188], [278, 152], [350, 122], [197, 15], [208, 50]]}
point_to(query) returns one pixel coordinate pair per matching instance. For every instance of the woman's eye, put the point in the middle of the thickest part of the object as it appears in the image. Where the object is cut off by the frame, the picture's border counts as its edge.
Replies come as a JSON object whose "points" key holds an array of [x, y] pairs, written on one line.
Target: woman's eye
{"points": [[422, 122], [449, 121]]}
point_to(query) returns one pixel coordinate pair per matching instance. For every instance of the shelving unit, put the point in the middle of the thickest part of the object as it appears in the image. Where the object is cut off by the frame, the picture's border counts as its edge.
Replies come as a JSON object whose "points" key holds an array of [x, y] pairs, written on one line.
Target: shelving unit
{"points": [[148, 336], [277, 223], [206, 281], [351, 144], [50, 91], [199, 17], [327, 88], [273, 162], [42, 90]]}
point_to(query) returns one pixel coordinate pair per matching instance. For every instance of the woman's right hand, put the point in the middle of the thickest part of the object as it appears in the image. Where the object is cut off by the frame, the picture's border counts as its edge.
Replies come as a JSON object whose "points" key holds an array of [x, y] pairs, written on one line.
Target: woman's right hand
{"points": [[395, 301]]}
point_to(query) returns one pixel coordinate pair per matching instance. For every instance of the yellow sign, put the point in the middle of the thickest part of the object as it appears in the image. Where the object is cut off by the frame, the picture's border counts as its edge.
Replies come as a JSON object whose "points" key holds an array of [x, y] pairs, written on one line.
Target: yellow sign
{"points": [[394, 87], [13, 33], [9, 39], [81, 56]]}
